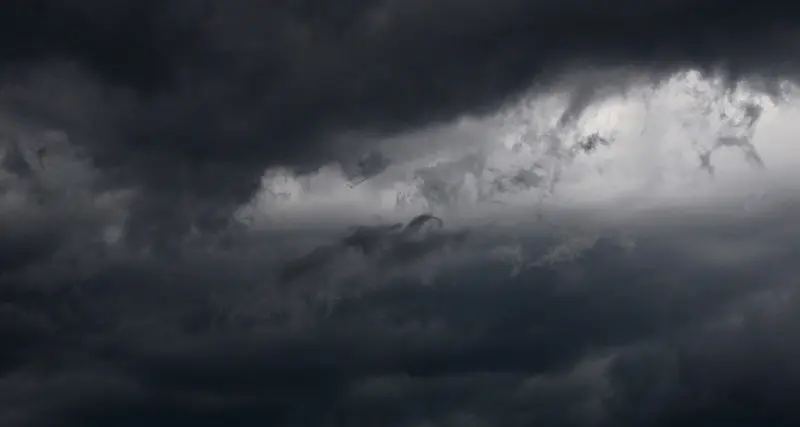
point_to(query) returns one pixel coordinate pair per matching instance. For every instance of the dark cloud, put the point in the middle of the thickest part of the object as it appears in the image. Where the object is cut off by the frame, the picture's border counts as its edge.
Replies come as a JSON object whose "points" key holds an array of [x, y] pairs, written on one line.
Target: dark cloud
{"points": [[655, 336], [188, 102], [386, 246], [191, 100]]}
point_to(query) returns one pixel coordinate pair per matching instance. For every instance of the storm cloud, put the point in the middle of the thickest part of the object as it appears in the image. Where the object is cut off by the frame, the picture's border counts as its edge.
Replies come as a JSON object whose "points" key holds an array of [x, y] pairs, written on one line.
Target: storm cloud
{"points": [[180, 182], [655, 335], [197, 98]]}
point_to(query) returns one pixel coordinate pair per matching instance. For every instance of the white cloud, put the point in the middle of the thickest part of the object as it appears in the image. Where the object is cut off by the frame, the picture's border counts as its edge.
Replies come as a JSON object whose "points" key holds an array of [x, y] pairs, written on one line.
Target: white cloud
{"points": [[523, 158]]}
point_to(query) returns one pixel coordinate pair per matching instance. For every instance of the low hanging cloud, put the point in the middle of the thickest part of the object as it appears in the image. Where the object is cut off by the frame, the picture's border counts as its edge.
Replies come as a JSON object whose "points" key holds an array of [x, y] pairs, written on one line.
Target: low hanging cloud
{"points": [[192, 101], [566, 213], [611, 336]]}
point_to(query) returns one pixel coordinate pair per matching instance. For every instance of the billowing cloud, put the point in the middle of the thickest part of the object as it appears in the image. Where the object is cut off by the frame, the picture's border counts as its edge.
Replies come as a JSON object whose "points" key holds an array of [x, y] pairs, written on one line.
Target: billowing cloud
{"points": [[398, 213], [614, 336], [190, 101]]}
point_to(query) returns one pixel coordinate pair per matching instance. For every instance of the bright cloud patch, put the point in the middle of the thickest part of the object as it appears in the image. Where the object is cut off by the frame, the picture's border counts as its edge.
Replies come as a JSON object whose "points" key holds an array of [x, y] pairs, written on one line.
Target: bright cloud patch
{"points": [[690, 138]]}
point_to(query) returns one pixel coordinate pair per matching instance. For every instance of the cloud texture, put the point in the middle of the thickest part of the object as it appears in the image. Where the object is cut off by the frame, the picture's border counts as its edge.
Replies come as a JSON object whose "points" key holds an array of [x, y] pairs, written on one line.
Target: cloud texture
{"points": [[196, 98], [618, 245]]}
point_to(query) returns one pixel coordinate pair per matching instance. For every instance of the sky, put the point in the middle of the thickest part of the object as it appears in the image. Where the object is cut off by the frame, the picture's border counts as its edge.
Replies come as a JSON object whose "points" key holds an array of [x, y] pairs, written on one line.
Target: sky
{"points": [[399, 213]]}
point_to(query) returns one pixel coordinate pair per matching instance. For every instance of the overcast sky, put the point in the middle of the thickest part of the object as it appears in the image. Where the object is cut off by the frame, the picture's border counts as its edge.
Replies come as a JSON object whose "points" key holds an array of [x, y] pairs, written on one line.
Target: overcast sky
{"points": [[210, 213]]}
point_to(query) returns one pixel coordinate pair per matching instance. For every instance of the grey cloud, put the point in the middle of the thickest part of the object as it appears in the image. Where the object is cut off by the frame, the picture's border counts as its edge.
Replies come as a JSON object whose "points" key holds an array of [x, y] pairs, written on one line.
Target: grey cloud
{"points": [[149, 340], [186, 103], [23, 244], [192, 100], [385, 246]]}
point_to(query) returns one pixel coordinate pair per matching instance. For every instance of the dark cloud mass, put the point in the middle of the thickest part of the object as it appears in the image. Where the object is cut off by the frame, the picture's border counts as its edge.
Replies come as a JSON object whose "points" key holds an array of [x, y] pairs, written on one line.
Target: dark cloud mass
{"points": [[199, 96], [131, 130], [647, 337]]}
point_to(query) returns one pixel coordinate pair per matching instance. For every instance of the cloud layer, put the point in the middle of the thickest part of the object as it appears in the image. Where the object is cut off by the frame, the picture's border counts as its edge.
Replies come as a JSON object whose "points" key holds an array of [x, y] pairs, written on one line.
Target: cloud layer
{"points": [[615, 181], [668, 331], [192, 100]]}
